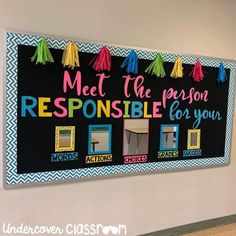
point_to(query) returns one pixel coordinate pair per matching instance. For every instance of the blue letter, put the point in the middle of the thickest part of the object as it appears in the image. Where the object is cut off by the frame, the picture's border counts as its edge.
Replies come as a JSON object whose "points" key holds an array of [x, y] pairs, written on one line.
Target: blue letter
{"points": [[136, 109], [29, 107], [94, 109]]}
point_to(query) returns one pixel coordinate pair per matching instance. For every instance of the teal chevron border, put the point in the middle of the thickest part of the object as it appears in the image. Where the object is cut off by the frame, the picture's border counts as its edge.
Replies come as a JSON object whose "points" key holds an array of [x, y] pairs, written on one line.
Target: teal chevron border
{"points": [[12, 178]]}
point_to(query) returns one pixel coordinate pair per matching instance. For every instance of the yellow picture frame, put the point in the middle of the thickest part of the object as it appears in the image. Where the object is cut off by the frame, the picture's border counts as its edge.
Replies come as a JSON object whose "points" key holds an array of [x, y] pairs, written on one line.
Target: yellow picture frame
{"points": [[191, 132], [64, 138]]}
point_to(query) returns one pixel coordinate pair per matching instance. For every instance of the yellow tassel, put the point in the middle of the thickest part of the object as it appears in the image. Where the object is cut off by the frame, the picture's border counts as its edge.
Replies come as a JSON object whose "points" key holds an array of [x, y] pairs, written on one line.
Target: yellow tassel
{"points": [[70, 56], [177, 71]]}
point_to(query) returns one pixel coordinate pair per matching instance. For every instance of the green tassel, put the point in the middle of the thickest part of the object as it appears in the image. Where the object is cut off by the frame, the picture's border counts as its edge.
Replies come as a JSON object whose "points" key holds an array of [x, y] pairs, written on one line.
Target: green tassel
{"points": [[42, 54], [156, 67]]}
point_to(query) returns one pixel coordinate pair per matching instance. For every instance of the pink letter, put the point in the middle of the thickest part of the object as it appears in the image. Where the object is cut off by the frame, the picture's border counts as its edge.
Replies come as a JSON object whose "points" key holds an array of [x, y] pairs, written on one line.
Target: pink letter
{"points": [[57, 104], [155, 110], [114, 106], [100, 83], [67, 81], [85, 90], [205, 96], [166, 95], [93, 91], [127, 79]]}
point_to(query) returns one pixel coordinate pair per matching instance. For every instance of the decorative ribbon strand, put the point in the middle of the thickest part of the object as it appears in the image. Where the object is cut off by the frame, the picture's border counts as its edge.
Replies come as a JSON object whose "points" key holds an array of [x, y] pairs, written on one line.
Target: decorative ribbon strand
{"points": [[42, 54], [177, 71], [222, 77], [156, 67], [102, 61], [131, 63], [197, 72], [70, 56]]}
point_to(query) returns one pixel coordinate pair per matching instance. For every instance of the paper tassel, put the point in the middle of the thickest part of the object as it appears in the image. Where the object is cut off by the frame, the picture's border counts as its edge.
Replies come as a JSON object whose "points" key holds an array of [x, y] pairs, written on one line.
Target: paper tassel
{"points": [[177, 71], [42, 54], [70, 56], [131, 63], [102, 61], [197, 72], [156, 67], [222, 77]]}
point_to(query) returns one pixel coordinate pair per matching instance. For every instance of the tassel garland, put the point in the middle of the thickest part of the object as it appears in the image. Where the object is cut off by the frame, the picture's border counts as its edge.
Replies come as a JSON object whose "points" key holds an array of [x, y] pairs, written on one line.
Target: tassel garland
{"points": [[131, 63], [222, 77], [70, 56], [102, 61], [156, 67], [177, 71], [42, 54], [197, 72]]}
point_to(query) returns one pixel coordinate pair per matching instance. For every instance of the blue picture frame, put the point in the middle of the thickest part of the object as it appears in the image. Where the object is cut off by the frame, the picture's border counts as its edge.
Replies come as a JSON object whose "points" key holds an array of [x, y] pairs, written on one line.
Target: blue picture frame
{"points": [[162, 147], [90, 129]]}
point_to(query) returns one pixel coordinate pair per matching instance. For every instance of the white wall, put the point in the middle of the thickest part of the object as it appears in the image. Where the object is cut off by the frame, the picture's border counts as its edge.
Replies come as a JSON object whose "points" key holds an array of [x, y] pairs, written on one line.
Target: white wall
{"points": [[146, 202]]}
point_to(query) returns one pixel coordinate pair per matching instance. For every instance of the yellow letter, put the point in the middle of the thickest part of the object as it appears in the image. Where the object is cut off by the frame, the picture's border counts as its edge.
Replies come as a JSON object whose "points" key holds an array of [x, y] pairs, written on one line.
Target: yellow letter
{"points": [[42, 107], [145, 111], [101, 107]]}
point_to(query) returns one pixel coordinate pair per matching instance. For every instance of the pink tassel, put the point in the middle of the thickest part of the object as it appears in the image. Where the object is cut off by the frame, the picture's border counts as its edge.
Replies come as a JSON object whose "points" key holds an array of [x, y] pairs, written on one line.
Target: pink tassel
{"points": [[197, 72], [102, 61]]}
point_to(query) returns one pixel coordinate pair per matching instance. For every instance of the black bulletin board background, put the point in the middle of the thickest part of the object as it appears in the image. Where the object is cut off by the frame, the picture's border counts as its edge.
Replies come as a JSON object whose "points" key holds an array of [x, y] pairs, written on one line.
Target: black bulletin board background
{"points": [[36, 136]]}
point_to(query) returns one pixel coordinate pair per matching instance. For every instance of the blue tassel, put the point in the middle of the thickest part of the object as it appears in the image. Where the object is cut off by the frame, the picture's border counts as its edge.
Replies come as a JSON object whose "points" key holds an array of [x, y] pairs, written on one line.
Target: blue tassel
{"points": [[221, 74], [131, 63]]}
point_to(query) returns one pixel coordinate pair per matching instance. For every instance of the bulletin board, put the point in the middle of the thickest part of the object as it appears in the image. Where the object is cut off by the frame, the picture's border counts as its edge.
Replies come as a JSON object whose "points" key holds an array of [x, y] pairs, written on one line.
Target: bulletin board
{"points": [[67, 124]]}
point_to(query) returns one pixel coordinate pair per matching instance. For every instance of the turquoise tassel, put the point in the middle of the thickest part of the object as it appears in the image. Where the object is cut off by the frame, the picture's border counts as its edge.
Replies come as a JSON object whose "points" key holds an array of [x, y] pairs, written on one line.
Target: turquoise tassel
{"points": [[131, 63], [222, 77]]}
